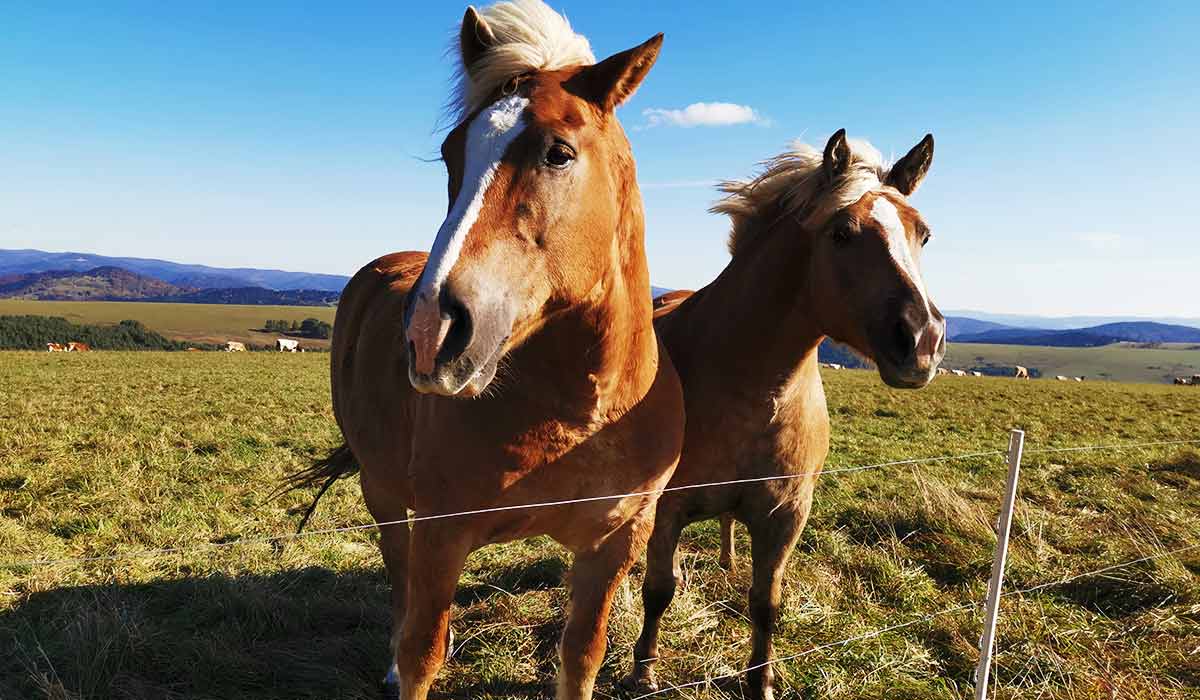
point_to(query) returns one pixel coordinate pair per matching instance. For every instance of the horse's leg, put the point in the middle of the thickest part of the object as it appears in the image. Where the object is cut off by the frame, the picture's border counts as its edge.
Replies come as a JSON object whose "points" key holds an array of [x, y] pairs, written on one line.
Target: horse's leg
{"points": [[594, 579], [437, 553], [393, 545], [728, 558], [662, 576], [772, 539]]}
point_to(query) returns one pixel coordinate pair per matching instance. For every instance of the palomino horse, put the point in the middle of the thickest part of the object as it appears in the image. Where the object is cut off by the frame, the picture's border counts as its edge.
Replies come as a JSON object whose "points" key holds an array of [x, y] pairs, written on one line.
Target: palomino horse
{"points": [[823, 245], [539, 274]]}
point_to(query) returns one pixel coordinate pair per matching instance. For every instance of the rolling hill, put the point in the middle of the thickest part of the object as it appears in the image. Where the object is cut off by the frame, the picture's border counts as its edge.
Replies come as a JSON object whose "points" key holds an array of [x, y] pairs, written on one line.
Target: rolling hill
{"points": [[1062, 323], [116, 284], [958, 326], [100, 284], [1095, 336], [15, 262]]}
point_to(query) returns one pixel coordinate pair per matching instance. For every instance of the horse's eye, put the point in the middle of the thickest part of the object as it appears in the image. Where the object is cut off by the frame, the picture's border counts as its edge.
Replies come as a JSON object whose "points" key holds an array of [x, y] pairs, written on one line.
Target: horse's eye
{"points": [[925, 240], [560, 155]]}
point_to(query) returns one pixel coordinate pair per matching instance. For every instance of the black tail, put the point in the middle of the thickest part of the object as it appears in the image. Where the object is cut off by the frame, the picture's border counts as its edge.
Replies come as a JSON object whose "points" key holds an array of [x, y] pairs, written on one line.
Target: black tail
{"points": [[338, 464]]}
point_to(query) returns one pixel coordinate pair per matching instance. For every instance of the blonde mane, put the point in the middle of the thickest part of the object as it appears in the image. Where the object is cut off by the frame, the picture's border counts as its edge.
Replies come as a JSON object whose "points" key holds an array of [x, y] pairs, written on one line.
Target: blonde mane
{"points": [[530, 37], [793, 184]]}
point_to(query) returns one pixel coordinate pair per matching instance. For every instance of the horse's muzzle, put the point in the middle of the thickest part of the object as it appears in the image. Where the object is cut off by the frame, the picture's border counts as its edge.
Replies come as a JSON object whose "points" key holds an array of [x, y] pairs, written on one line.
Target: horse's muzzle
{"points": [[454, 342], [908, 354]]}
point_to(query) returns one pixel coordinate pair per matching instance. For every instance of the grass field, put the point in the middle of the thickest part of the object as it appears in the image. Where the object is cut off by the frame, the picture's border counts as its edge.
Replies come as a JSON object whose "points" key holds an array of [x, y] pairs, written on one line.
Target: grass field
{"points": [[197, 323], [120, 452], [1119, 362]]}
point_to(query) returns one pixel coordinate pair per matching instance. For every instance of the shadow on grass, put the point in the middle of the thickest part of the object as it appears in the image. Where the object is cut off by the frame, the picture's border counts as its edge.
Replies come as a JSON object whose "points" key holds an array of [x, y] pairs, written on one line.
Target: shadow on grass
{"points": [[308, 633]]}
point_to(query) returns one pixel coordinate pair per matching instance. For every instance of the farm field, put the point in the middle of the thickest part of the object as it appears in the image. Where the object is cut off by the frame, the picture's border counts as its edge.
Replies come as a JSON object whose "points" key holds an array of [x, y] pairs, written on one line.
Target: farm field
{"points": [[1118, 362], [117, 453], [197, 323]]}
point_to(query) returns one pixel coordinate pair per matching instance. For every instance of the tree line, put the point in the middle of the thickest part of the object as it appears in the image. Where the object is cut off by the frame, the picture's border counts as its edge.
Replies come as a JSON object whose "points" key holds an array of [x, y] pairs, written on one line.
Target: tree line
{"points": [[34, 332], [308, 328]]}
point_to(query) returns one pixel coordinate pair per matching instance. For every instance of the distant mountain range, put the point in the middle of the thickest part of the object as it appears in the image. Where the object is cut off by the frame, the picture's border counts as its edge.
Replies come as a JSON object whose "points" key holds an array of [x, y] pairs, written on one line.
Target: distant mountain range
{"points": [[15, 262], [116, 284], [1094, 336], [99, 283], [1062, 323]]}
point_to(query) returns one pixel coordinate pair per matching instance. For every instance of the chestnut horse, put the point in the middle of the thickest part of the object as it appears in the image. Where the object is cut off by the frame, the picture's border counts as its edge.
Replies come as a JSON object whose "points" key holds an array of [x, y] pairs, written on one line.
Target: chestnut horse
{"points": [[538, 275], [823, 245]]}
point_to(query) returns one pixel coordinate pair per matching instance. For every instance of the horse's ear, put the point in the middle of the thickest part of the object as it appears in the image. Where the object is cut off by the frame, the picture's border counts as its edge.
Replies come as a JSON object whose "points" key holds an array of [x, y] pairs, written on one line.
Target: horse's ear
{"points": [[837, 156], [908, 172], [612, 81], [474, 39]]}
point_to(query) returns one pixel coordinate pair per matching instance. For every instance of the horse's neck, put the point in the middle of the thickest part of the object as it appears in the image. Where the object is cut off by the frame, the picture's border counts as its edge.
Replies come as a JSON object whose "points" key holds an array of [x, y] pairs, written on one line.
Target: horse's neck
{"points": [[752, 325], [598, 357]]}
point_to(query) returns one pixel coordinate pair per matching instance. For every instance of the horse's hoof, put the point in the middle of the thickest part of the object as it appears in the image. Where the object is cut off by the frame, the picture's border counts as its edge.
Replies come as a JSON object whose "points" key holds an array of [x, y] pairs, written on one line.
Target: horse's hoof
{"points": [[638, 682], [389, 691], [749, 690], [389, 688]]}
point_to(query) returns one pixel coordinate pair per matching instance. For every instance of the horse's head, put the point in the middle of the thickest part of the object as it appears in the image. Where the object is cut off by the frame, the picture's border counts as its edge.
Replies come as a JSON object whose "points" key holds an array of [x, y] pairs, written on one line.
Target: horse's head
{"points": [[541, 185], [866, 263]]}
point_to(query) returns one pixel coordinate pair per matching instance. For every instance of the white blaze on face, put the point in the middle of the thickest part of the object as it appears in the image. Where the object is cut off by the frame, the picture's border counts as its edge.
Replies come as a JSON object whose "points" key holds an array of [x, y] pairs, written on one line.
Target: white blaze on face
{"points": [[885, 213], [488, 137]]}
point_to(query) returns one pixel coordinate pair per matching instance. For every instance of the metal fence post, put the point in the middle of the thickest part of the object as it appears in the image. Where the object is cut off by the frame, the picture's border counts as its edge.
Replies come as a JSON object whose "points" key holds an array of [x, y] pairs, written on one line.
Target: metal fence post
{"points": [[1016, 444]]}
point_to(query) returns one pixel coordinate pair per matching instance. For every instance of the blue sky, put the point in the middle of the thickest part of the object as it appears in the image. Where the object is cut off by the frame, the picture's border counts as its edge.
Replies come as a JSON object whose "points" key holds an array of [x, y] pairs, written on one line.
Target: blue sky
{"points": [[295, 136]]}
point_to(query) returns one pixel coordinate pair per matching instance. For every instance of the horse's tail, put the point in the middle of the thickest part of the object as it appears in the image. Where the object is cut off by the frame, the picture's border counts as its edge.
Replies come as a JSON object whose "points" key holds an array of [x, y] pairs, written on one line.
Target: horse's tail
{"points": [[338, 464]]}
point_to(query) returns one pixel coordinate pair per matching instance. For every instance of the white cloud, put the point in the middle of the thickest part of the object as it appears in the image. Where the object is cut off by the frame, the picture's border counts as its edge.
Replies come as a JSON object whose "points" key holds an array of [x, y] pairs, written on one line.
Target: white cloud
{"points": [[704, 114]]}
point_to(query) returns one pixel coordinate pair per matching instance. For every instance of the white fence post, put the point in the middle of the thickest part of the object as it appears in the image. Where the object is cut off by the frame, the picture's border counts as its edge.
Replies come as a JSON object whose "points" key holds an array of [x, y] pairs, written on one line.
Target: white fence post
{"points": [[1016, 443]]}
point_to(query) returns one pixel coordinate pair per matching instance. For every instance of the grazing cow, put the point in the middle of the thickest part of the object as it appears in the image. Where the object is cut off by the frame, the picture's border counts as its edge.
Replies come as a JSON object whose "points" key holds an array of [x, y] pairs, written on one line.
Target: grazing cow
{"points": [[78, 347], [958, 372], [285, 345], [1022, 373], [833, 365], [1182, 381], [55, 347], [235, 346], [1079, 379], [976, 374], [942, 371], [1061, 378], [1196, 379]]}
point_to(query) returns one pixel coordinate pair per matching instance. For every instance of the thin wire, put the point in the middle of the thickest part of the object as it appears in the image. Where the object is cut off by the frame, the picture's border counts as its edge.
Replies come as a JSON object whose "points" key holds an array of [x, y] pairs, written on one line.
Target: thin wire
{"points": [[813, 650], [1047, 450], [926, 618], [149, 553]]}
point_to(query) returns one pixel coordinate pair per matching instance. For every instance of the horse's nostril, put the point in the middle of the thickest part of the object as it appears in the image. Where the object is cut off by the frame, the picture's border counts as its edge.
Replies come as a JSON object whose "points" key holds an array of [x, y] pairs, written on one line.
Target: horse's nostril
{"points": [[903, 342], [458, 337]]}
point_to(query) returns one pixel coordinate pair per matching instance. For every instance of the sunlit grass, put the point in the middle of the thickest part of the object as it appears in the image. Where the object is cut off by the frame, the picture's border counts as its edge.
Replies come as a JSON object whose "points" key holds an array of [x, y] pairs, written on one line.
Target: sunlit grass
{"points": [[121, 452]]}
